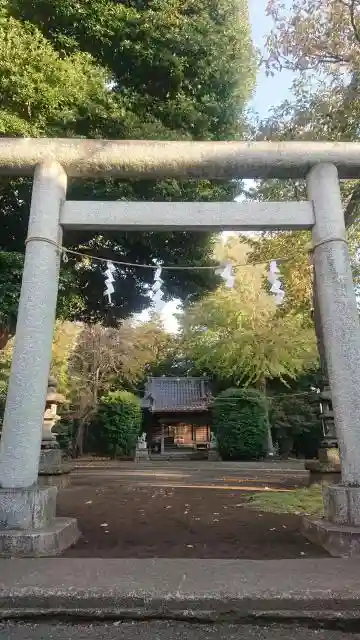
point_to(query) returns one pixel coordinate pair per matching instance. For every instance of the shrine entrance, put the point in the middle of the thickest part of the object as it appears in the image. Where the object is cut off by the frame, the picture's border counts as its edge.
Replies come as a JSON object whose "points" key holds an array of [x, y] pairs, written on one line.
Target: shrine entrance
{"points": [[23, 506]]}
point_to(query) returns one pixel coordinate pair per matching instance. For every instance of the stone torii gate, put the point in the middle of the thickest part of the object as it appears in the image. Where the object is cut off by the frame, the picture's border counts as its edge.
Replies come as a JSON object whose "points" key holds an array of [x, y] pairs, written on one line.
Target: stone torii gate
{"points": [[27, 512]]}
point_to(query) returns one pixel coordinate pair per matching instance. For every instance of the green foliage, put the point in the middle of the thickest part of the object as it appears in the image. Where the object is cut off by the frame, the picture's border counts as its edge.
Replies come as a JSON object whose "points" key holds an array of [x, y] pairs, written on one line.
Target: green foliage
{"points": [[291, 247], [42, 91], [3, 392], [11, 265], [116, 425], [69, 304], [295, 423], [240, 424], [294, 414], [123, 70], [318, 40], [238, 335], [178, 60], [64, 432], [65, 339], [305, 501]]}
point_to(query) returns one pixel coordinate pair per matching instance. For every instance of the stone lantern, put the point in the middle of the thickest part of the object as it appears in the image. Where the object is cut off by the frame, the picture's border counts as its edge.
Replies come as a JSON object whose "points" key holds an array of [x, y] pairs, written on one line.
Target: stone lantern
{"points": [[213, 453], [53, 470], [142, 451], [51, 417]]}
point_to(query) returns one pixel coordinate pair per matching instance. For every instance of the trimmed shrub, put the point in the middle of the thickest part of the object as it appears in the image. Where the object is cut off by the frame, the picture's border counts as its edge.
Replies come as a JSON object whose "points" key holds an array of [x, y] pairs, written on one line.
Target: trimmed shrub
{"points": [[117, 423], [240, 424], [296, 424], [294, 414]]}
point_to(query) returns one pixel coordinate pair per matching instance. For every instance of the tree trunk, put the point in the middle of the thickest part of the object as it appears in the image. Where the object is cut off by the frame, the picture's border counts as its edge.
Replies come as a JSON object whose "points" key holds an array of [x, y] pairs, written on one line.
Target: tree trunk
{"points": [[270, 444], [287, 445], [4, 336], [78, 443]]}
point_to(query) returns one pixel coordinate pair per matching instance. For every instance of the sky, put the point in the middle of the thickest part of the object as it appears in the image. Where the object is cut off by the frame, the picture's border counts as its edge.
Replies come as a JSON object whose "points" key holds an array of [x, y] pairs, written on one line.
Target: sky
{"points": [[268, 93], [273, 90]]}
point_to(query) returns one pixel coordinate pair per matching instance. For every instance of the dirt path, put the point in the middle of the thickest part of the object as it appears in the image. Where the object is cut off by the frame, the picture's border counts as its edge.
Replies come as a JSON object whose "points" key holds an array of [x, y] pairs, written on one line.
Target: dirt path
{"points": [[177, 514]]}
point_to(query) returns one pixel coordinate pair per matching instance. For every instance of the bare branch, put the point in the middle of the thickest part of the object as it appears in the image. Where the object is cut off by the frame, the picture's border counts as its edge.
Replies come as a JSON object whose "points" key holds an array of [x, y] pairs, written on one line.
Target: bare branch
{"points": [[353, 20]]}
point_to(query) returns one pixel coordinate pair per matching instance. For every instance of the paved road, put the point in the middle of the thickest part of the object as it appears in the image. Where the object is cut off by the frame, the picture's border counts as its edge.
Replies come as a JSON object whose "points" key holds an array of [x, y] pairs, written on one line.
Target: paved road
{"points": [[164, 631]]}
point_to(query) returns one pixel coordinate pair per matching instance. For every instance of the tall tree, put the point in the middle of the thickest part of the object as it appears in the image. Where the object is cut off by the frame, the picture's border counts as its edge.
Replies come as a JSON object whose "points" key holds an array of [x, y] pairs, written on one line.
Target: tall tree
{"points": [[106, 358], [290, 248], [123, 70], [238, 334], [320, 41]]}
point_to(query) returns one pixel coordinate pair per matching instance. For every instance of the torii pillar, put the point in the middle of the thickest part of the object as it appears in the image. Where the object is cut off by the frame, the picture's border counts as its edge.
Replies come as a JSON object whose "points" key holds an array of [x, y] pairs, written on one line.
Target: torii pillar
{"points": [[339, 532], [27, 512]]}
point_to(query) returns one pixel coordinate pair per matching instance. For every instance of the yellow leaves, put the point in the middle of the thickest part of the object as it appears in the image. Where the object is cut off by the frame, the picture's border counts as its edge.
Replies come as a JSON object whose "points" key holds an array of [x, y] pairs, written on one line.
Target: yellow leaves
{"points": [[240, 334], [295, 268]]}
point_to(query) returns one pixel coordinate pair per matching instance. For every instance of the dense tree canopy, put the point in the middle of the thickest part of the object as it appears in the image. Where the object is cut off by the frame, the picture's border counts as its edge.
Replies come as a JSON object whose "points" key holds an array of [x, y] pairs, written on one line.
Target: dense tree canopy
{"points": [[123, 70]]}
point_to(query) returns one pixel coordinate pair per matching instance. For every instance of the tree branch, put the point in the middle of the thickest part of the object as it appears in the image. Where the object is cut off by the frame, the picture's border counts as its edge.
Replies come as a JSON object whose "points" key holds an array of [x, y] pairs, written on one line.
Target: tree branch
{"points": [[353, 21], [351, 5], [352, 211]]}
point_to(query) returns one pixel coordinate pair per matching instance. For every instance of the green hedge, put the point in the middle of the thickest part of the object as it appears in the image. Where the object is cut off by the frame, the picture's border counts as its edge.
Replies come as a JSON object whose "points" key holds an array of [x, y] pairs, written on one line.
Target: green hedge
{"points": [[240, 424], [116, 426]]}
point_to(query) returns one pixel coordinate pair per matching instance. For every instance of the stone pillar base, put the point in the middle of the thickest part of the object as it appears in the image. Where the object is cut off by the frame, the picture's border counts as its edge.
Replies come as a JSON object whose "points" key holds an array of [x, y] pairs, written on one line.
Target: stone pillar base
{"points": [[328, 462], [339, 541], [339, 531], [53, 470], [28, 526], [50, 541], [60, 480], [141, 455], [214, 455]]}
